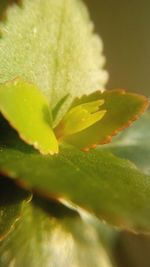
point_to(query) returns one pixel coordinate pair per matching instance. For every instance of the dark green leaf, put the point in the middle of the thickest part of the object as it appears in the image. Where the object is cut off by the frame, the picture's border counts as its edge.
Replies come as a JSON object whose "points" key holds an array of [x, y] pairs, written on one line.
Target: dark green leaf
{"points": [[12, 199], [109, 187]]}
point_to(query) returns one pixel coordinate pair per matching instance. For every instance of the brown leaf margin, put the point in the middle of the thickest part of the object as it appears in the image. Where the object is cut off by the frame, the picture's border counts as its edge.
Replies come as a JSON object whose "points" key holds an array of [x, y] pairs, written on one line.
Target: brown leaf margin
{"points": [[108, 138]]}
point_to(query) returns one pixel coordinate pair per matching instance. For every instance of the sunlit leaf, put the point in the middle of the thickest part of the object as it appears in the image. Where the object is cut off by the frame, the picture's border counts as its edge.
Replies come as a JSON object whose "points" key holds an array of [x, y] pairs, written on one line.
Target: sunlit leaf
{"points": [[27, 110], [52, 44], [12, 200], [79, 118], [109, 187], [122, 108]]}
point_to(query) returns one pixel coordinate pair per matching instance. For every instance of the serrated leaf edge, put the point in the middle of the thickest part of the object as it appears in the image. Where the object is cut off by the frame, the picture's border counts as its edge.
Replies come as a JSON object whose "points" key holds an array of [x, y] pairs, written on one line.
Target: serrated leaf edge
{"points": [[108, 138]]}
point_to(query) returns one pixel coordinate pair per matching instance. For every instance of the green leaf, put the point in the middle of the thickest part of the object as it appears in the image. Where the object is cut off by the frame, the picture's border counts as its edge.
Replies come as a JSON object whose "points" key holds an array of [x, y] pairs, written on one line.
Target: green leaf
{"points": [[109, 187], [12, 200], [50, 235], [80, 117], [121, 107], [27, 110], [134, 144], [51, 44]]}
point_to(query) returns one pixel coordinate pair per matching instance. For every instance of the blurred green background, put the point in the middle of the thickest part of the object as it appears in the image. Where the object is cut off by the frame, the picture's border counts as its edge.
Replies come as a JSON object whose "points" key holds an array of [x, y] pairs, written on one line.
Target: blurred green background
{"points": [[125, 29]]}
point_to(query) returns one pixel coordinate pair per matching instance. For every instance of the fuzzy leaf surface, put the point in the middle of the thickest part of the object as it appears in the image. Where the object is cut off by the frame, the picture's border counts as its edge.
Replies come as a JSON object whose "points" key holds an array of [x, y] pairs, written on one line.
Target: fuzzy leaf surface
{"points": [[51, 44], [109, 187]]}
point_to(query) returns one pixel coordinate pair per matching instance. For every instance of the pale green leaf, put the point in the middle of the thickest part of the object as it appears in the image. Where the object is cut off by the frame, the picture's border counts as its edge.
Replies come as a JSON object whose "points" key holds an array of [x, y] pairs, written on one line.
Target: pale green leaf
{"points": [[51, 44], [27, 110], [80, 117]]}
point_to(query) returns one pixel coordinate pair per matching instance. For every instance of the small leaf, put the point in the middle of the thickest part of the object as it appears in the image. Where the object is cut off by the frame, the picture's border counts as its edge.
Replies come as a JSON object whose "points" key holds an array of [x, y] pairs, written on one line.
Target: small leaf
{"points": [[79, 118], [27, 110], [52, 44], [109, 187], [122, 109], [50, 235], [12, 199]]}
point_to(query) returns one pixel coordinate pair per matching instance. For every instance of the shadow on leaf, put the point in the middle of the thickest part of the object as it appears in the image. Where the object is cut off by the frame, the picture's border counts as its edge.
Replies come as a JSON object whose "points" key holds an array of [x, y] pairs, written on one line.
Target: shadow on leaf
{"points": [[4, 5]]}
